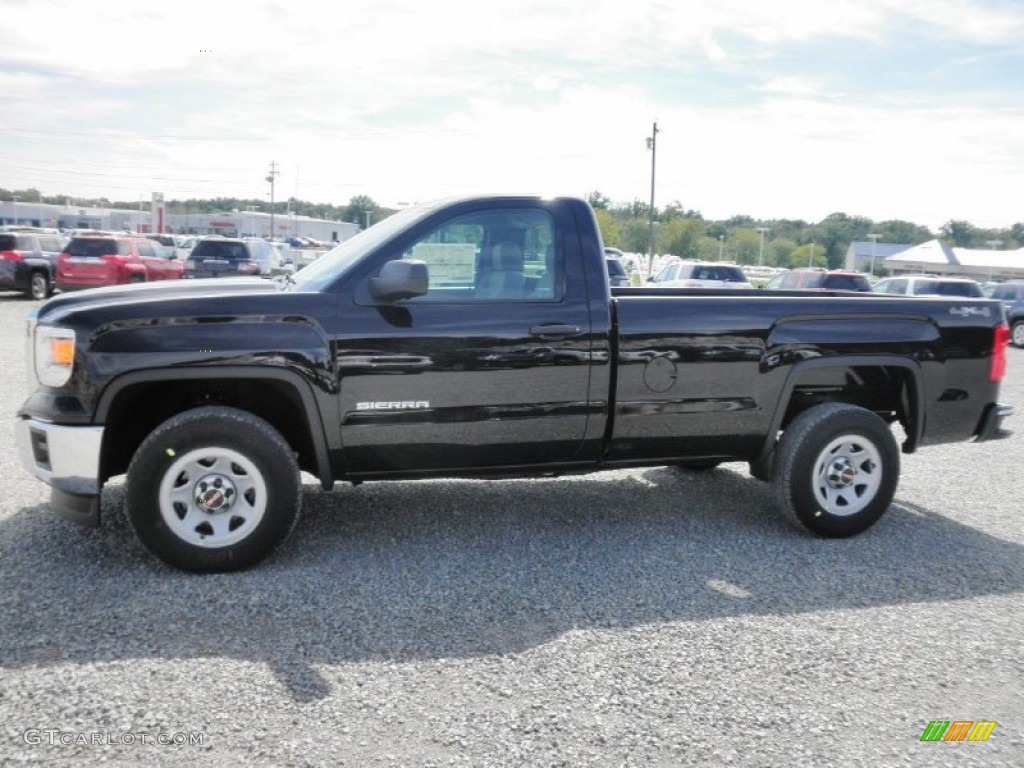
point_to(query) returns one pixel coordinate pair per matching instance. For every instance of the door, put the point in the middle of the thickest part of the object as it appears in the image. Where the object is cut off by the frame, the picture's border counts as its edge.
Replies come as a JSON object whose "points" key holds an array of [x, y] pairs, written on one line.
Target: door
{"points": [[490, 368]]}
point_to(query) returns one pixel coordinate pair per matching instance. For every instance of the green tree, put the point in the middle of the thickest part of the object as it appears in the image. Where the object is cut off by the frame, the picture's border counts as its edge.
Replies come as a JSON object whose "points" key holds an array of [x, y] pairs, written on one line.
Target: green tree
{"points": [[610, 231], [743, 246], [802, 256], [960, 233], [835, 233], [680, 237], [633, 236], [598, 201], [903, 232], [778, 252]]}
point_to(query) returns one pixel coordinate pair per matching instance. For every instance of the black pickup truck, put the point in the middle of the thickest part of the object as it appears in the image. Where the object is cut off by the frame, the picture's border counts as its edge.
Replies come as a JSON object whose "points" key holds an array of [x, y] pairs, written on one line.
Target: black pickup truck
{"points": [[480, 337]]}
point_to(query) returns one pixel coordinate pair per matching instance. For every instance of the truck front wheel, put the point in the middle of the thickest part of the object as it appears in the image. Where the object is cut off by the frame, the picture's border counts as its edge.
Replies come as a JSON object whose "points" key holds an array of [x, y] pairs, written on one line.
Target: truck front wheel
{"points": [[836, 470], [213, 489]]}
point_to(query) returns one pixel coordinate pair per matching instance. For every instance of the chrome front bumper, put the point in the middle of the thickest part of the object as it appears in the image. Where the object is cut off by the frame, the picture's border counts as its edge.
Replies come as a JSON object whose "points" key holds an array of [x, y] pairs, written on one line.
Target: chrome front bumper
{"points": [[68, 460]]}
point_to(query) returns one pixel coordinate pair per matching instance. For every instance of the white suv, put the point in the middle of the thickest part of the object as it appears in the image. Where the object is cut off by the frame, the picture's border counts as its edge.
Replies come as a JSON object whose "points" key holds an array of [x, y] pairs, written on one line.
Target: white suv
{"points": [[930, 285], [701, 274]]}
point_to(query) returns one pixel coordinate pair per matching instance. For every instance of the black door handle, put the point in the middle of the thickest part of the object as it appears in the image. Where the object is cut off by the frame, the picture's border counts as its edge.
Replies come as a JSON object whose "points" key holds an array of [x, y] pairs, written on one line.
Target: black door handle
{"points": [[554, 331]]}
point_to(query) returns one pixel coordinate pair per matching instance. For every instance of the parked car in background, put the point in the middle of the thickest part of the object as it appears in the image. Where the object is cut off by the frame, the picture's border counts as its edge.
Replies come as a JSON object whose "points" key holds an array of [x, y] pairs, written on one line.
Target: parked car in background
{"points": [[819, 280], [28, 261], [757, 276], [185, 246], [617, 275], [91, 261], [168, 244], [1011, 293], [216, 256], [926, 285], [701, 274]]}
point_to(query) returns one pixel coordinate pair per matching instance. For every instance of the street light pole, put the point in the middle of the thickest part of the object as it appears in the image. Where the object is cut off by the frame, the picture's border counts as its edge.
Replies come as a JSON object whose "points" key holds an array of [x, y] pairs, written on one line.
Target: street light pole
{"points": [[652, 144], [271, 177], [874, 242], [721, 246], [810, 257], [760, 252]]}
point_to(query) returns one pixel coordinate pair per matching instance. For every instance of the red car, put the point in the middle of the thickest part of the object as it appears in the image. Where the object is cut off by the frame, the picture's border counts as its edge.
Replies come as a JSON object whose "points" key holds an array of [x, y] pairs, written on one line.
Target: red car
{"points": [[91, 261]]}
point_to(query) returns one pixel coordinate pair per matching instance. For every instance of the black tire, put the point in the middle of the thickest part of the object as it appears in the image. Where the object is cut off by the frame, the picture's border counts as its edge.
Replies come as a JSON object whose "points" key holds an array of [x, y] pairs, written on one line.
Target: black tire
{"points": [[1017, 333], [696, 465], [137, 279], [39, 286], [213, 489], [836, 470]]}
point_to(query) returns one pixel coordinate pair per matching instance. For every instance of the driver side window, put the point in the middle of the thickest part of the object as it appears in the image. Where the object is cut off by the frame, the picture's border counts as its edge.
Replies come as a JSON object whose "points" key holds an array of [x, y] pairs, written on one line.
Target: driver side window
{"points": [[495, 255]]}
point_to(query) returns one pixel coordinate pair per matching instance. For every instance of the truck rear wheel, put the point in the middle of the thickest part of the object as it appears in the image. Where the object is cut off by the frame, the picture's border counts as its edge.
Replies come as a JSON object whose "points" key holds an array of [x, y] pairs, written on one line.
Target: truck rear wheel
{"points": [[213, 489], [836, 470]]}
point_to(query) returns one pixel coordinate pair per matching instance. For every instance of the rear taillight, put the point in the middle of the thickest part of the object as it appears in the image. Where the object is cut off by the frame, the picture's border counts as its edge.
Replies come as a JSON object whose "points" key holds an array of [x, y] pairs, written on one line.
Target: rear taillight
{"points": [[113, 258], [1000, 340], [11, 255], [248, 267]]}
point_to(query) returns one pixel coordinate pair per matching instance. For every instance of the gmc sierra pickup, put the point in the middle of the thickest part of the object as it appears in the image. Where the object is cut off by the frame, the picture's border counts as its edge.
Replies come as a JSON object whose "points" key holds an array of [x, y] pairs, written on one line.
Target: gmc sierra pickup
{"points": [[480, 337]]}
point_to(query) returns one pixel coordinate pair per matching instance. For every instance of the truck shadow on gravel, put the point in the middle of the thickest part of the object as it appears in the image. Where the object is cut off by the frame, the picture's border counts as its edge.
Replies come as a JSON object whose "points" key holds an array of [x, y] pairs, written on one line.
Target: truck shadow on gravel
{"points": [[448, 569]]}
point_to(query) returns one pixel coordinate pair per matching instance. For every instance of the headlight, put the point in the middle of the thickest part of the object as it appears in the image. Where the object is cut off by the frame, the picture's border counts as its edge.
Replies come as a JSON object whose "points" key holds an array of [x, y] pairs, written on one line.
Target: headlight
{"points": [[54, 355]]}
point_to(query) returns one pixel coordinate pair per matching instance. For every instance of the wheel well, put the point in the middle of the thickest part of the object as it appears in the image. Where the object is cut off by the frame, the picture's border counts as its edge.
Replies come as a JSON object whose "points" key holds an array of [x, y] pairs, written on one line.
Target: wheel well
{"points": [[888, 391], [139, 408]]}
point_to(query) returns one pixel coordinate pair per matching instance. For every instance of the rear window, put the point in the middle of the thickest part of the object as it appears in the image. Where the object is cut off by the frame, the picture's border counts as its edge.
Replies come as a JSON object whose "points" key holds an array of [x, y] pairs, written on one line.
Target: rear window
{"points": [[219, 249], [730, 274], [967, 290], [845, 283], [92, 247], [1007, 292]]}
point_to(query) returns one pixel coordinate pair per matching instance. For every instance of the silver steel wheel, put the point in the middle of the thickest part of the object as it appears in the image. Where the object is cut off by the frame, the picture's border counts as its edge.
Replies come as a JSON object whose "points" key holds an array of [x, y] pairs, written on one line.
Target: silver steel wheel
{"points": [[1017, 336], [847, 475], [212, 497], [39, 286]]}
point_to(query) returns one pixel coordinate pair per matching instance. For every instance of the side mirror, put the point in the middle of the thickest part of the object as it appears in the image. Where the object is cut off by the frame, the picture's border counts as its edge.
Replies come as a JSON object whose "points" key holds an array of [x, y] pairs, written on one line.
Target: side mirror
{"points": [[400, 279]]}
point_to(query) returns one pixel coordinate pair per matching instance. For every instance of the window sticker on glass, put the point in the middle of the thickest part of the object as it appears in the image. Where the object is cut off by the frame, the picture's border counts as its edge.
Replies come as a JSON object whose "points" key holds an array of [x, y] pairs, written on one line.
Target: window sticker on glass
{"points": [[450, 264]]}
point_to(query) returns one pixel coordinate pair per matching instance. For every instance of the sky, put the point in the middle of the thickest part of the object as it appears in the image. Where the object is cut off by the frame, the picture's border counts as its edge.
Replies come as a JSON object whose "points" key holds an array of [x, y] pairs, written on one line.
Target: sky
{"points": [[890, 109]]}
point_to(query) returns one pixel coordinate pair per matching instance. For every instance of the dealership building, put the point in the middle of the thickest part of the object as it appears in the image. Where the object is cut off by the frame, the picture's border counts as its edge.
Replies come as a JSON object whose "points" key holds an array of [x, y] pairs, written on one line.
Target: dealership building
{"points": [[229, 224], [935, 257]]}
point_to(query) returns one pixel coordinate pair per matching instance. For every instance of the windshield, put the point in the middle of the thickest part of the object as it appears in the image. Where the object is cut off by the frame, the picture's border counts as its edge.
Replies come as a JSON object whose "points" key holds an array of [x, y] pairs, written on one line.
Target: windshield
{"points": [[336, 262]]}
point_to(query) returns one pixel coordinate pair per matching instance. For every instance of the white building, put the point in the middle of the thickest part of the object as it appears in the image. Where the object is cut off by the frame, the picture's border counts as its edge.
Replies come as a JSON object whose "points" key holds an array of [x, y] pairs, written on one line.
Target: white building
{"points": [[980, 264], [936, 257], [258, 223], [232, 224]]}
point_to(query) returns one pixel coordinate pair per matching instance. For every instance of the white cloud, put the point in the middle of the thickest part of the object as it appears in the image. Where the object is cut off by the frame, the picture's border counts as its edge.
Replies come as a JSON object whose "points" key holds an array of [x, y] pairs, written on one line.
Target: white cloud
{"points": [[409, 100]]}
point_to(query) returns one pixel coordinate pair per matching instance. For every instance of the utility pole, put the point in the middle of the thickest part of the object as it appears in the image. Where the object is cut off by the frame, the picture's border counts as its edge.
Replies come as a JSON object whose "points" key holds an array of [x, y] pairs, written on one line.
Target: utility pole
{"points": [[652, 144], [760, 252], [874, 244], [271, 178]]}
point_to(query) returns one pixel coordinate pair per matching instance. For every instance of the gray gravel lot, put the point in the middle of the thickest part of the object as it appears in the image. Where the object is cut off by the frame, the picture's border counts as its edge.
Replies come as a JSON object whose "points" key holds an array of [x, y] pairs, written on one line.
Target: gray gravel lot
{"points": [[641, 617]]}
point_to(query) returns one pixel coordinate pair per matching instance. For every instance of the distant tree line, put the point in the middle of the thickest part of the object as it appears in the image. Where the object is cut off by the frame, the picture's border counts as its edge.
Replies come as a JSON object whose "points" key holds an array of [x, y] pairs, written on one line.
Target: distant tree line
{"points": [[787, 242], [678, 231]]}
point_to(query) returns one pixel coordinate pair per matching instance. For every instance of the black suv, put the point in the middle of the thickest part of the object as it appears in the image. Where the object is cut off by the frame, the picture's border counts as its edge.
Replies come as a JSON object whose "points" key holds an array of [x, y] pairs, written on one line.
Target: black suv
{"points": [[28, 262], [231, 257]]}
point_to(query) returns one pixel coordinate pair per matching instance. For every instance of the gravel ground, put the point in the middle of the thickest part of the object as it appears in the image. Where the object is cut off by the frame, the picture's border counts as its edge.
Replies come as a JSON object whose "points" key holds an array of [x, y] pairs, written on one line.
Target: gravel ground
{"points": [[642, 617]]}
